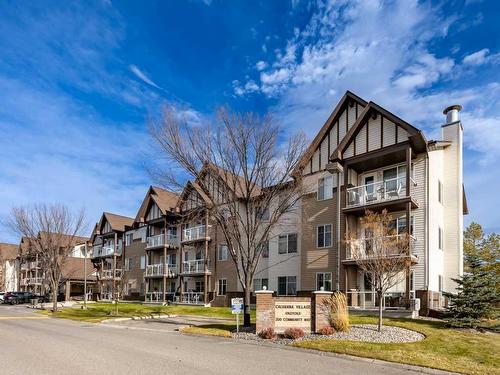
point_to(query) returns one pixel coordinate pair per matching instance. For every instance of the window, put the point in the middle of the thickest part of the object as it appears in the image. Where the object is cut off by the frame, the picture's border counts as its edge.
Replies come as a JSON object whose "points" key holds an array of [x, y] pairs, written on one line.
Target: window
{"points": [[440, 191], [287, 285], [325, 188], [143, 262], [259, 284], [398, 225], [395, 179], [324, 235], [223, 252], [440, 238], [221, 287], [324, 280], [128, 264], [199, 286], [143, 235], [440, 283], [287, 243], [264, 213], [265, 249], [128, 239]]}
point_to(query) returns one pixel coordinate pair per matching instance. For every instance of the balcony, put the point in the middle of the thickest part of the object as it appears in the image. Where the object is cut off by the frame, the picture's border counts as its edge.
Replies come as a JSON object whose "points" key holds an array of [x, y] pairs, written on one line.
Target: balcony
{"points": [[108, 274], [194, 234], [159, 241], [157, 297], [194, 267], [363, 249], [391, 192], [32, 281], [194, 298], [158, 270], [100, 251]]}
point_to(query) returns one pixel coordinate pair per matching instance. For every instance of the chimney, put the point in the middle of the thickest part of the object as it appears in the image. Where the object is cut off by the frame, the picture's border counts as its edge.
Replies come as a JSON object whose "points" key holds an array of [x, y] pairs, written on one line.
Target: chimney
{"points": [[451, 113]]}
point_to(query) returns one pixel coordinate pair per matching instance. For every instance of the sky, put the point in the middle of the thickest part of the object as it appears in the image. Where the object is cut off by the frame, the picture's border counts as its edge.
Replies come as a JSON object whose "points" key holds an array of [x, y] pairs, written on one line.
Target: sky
{"points": [[79, 82]]}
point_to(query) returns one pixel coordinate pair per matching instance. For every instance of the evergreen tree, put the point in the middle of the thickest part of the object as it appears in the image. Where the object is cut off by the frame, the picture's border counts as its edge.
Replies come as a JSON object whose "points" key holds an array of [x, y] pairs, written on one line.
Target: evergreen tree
{"points": [[477, 292]]}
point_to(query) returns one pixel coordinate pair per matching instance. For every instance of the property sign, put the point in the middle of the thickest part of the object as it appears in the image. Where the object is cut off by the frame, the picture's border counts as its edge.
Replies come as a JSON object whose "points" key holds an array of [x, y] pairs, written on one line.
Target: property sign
{"points": [[292, 314], [237, 305]]}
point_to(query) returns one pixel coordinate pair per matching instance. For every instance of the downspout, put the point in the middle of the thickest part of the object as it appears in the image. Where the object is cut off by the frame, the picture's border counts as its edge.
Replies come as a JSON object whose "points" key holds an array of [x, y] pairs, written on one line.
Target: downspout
{"points": [[337, 284]]}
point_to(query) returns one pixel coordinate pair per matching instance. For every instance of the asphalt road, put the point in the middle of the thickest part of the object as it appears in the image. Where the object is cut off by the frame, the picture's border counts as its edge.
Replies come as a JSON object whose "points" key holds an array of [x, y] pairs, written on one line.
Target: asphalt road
{"points": [[32, 344]]}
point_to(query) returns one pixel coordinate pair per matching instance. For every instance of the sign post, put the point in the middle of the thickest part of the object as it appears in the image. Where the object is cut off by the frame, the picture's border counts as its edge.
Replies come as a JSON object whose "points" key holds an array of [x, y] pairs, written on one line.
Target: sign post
{"points": [[237, 308]]}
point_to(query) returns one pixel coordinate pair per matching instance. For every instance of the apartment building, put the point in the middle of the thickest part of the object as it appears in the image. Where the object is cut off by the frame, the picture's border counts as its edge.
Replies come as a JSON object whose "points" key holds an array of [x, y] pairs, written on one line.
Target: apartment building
{"points": [[157, 222], [107, 250], [366, 158], [8, 267]]}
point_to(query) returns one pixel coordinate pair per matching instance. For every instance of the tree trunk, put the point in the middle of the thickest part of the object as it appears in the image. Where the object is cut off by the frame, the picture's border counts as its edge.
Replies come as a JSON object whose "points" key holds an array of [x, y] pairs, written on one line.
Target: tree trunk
{"points": [[54, 298], [380, 297], [246, 315]]}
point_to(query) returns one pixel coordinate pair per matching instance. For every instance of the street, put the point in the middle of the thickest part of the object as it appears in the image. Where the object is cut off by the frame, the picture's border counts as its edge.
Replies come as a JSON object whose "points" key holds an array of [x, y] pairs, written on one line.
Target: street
{"points": [[33, 344]]}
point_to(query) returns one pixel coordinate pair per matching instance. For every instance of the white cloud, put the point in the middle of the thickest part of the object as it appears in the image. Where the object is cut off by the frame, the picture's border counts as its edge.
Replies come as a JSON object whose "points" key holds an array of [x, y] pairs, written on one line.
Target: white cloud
{"points": [[142, 76], [476, 58], [261, 65]]}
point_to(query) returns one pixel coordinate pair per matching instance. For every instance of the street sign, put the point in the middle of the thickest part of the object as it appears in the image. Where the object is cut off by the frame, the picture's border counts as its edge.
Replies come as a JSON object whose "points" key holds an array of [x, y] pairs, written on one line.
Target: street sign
{"points": [[237, 305], [237, 308]]}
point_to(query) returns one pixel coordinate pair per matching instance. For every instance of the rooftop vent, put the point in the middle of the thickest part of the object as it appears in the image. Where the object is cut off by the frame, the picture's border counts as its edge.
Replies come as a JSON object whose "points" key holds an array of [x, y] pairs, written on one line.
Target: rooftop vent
{"points": [[451, 113]]}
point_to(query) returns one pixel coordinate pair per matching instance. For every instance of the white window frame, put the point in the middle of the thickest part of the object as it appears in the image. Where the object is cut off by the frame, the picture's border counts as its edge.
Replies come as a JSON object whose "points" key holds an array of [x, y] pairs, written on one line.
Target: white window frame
{"points": [[324, 237], [318, 287], [143, 262], [287, 235], [325, 188], [126, 264], [259, 283], [219, 253], [221, 282], [287, 279], [129, 238]]}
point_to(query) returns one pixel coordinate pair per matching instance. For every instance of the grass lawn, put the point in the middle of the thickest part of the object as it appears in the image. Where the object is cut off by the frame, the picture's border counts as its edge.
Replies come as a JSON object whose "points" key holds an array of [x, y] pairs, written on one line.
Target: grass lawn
{"points": [[443, 348], [222, 330], [97, 312]]}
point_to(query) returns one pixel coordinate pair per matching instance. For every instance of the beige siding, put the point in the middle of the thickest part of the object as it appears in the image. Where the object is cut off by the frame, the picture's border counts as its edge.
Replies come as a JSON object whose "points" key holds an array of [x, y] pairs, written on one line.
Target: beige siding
{"points": [[349, 151], [333, 138], [315, 161], [352, 115], [402, 135], [389, 133], [374, 134], [307, 168], [342, 131], [324, 153], [361, 141]]}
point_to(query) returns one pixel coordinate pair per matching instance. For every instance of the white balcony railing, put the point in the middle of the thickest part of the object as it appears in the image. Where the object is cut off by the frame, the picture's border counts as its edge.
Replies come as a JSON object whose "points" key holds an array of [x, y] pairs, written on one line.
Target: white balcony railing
{"points": [[156, 270], [172, 239], [194, 233], [99, 251], [194, 266], [366, 248], [376, 192], [155, 241], [192, 298], [108, 274], [158, 296], [367, 300], [32, 281]]}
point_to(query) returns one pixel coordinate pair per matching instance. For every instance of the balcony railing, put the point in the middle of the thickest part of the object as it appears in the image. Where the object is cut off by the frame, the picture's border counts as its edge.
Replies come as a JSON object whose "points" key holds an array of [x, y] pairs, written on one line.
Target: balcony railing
{"points": [[159, 240], [367, 248], [376, 192], [99, 251], [194, 233], [191, 298], [32, 281], [194, 266], [108, 274], [158, 296], [158, 270], [367, 300]]}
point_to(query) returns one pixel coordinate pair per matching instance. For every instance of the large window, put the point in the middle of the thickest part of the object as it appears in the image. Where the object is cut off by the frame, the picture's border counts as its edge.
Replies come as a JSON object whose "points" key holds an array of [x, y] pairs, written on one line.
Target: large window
{"points": [[440, 238], [265, 249], [325, 188], [324, 280], [221, 287], [223, 252], [259, 284], [128, 264], [128, 239], [287, 285], [398, 225], [143, 262], [287, 243], [324, 235]]}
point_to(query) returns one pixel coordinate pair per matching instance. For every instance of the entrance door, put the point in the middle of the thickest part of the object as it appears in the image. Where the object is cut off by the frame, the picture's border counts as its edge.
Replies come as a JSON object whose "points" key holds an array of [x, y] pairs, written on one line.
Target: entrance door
{"points": [[370, 191]]}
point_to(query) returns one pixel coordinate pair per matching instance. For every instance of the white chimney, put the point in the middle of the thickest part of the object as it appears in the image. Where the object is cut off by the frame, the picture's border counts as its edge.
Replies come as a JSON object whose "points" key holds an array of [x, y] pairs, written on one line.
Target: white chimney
{"points": [[451, 113]]}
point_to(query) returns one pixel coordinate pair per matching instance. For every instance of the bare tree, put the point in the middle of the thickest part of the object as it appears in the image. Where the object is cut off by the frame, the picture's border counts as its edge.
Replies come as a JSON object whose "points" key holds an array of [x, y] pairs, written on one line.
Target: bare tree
{"points": [[50, 232], [382, 255], [242, 167]]}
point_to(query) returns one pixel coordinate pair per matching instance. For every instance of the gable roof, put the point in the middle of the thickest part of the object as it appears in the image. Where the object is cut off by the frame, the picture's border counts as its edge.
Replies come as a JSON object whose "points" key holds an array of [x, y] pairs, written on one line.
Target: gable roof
{"points": [[323, 132], [8, 251], [164, 199], [415, 135], [117, 222], [193, 185]]}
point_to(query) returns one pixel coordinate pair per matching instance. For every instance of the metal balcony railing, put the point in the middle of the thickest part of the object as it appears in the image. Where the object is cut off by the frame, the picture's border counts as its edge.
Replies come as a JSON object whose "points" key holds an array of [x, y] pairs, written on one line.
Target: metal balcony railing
{"points": [[376, 192], [99, 251], [194, 233], [108, 274], [158, 296], [191, 298], [366, 248], [194, 266], [159, 270]]}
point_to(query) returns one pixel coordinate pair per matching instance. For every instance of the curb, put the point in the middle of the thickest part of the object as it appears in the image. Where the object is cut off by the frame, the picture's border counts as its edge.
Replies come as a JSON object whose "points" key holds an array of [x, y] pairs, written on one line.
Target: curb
{"points": [[138, 318]]}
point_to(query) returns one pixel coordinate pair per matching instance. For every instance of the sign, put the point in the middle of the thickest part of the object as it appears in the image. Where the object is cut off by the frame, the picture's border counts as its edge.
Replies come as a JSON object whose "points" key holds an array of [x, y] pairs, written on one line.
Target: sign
{"points": [[237, 305], [292, 315]]}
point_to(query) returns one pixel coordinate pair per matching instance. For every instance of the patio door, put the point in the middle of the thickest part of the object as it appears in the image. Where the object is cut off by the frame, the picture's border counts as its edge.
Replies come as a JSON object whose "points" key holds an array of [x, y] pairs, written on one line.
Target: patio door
{"points": [[370, 192]]}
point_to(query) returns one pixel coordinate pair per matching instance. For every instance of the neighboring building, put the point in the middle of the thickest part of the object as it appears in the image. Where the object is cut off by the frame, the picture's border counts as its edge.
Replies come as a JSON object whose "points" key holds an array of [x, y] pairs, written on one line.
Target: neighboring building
{"points": [[152, 247], [107, 249], [8, 267], [385, 163]]}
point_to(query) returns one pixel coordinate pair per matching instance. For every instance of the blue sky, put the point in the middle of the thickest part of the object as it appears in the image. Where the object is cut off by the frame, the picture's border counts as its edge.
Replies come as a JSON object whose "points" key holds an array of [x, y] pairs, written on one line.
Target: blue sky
{"points": [[78, 82]]}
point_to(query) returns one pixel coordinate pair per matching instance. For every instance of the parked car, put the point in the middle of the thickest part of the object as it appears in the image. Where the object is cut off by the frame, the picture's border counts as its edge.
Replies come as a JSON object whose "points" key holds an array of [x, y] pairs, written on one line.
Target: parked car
{"points": [[15, 298], [1, 296]]}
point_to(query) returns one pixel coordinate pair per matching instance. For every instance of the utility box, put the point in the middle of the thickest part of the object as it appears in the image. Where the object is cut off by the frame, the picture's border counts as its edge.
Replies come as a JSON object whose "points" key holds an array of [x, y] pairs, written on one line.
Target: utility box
{"points": [[415, 307]]}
